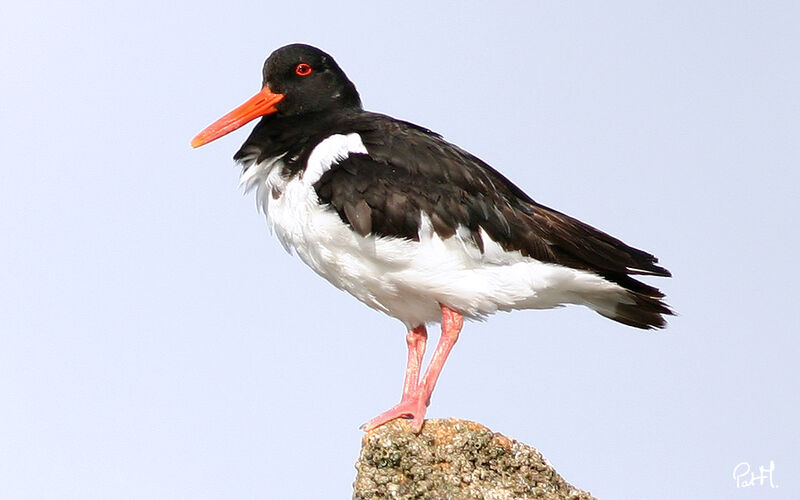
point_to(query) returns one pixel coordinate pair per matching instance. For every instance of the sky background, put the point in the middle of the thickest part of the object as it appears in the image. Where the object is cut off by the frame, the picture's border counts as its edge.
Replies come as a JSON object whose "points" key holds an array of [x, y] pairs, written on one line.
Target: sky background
{"points": [[157, 342]]}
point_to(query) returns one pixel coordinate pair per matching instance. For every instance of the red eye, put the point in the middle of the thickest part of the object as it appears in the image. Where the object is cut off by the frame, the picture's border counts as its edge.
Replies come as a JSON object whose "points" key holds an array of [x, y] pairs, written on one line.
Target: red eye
{"points": [[303, 69]]}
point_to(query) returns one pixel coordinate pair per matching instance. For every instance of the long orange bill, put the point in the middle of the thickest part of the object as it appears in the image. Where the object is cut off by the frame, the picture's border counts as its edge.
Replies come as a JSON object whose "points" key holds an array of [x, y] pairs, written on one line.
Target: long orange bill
{"points": [[260, 104]]}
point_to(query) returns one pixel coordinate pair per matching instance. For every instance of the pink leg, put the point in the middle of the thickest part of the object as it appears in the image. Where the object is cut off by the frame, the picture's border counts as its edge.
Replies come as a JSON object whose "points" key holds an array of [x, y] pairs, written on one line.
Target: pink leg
{"points": [[416, 397], [452, 322], [416, 340]]}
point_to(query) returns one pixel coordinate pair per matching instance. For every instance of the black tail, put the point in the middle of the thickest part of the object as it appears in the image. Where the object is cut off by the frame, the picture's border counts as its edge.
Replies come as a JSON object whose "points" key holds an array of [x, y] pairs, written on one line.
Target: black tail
{"points": [[645, 308]]}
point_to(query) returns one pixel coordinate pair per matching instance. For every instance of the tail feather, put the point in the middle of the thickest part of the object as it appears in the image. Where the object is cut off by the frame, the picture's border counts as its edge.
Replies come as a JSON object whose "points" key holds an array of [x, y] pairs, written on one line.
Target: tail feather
{"points": [[646, 312], [637, 304]]}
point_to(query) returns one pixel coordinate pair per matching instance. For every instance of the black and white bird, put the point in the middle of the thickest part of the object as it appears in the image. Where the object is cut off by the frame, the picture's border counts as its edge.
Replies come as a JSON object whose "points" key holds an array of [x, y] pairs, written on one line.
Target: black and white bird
{"points": [[414, 226]]}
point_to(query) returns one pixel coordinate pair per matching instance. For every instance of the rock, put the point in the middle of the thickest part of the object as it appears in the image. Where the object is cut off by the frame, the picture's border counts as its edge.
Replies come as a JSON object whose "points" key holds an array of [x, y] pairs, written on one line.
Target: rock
{"points": [[454, 460]]}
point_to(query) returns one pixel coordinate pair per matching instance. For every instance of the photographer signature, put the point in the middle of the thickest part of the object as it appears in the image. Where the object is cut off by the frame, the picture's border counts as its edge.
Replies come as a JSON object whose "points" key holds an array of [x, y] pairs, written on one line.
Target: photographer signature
{"points": [[745, 477]]}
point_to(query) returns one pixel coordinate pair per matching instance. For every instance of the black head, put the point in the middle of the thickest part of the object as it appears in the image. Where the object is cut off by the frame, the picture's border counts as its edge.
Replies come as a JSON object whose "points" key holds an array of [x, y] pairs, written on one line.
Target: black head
{"points": [[298, 79], [309, 79]]}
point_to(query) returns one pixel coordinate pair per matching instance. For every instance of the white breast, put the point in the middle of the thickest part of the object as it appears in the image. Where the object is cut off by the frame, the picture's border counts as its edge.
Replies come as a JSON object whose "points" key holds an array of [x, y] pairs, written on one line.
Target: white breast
{"points": [[409, 279]]}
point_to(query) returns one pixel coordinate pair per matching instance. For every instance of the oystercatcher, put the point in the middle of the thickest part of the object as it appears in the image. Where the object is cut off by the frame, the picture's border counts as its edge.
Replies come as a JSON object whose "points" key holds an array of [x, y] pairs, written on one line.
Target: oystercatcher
{"points": [[414, 226]]}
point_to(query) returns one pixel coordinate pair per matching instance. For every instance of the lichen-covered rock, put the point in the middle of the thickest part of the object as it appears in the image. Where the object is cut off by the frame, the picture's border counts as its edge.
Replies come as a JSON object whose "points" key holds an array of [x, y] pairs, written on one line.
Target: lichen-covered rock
{"points": [[454, 460]]}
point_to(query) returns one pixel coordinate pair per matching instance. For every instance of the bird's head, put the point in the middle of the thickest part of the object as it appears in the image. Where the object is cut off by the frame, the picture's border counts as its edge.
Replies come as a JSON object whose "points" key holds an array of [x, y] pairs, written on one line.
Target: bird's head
{"points": [[298, 79]]}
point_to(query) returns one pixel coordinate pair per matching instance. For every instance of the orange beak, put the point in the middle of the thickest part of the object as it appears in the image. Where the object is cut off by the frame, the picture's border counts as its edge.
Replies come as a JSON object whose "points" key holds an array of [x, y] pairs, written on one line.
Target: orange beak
{"points": [[260, 104]]}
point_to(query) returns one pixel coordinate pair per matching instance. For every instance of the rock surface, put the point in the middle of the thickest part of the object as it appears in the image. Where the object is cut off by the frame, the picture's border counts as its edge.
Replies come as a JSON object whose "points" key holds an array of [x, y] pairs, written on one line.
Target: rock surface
{"points": [[454, 460]]}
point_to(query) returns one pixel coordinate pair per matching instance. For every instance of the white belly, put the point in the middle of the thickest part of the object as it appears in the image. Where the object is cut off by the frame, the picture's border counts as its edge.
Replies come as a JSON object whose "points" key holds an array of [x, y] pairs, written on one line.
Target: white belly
{"points": [[409, 279]]}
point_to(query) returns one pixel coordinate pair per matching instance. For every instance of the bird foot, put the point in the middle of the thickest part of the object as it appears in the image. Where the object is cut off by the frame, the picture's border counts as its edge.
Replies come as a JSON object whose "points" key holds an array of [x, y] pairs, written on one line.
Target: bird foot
{"points": [[413, 407]]}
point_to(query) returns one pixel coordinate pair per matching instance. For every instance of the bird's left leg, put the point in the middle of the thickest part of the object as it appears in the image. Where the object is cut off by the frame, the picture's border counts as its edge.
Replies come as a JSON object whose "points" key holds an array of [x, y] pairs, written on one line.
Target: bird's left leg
{"points": [[415, 404], [416, 339]]}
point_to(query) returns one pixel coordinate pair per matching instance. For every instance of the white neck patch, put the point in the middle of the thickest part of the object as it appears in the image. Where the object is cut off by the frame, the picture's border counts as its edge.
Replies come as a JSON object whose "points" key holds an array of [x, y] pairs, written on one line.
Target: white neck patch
{"points": [[329, 152]]}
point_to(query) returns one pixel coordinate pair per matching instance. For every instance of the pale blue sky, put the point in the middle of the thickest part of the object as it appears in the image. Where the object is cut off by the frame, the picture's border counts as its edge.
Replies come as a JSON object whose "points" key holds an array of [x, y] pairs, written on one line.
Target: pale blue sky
{"points": [[157, 342]]}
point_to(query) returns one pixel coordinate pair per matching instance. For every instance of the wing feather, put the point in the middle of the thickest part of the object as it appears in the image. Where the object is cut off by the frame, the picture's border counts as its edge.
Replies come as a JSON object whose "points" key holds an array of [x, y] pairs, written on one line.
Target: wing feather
{"points": [[410, 169]]}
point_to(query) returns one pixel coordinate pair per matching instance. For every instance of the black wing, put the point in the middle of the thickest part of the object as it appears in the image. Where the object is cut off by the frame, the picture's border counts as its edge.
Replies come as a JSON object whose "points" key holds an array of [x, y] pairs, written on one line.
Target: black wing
{"points": [[410, 170]]}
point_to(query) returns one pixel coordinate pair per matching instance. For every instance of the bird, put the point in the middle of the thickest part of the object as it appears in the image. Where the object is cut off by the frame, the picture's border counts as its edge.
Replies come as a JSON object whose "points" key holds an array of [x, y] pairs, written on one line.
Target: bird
{"points": [[414, 226]]}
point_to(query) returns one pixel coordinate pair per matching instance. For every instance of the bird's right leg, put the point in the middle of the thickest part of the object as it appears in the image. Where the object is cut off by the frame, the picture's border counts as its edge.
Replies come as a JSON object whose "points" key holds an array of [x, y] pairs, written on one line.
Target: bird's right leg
{"points": [[417, 393]]}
